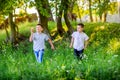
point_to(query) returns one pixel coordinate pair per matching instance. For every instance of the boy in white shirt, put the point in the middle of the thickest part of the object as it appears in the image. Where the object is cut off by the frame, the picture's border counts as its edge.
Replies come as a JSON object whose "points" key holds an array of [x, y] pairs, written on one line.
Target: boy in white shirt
{"points": [[79, 41], [39, 39]]}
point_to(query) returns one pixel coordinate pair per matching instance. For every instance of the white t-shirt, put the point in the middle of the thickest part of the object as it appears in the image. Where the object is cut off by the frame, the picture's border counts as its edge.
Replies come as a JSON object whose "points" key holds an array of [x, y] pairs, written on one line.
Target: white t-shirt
{"points": [[39, 41], [79, 40]]}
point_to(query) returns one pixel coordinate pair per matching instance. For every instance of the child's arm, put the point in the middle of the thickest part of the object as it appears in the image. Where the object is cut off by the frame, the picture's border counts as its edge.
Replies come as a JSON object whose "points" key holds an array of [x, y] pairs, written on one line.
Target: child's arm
{"points": [[52, 46], [71, 44], [86, 43], [31, 36]]}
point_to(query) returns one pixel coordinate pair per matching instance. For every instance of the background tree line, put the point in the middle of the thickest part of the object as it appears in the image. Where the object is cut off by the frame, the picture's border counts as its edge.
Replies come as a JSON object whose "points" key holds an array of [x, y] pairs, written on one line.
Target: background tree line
{"points": [[62, 9]]}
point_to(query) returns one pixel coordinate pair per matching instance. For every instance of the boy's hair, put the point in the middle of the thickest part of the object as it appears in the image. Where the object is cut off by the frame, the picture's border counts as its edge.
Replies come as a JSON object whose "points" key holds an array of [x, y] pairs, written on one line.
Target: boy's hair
{"points": [[39, 25], [81, 24]]}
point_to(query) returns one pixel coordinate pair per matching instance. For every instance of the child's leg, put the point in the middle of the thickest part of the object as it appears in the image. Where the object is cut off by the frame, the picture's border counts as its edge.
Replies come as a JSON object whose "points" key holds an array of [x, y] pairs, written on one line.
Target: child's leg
{"points": [[81, 53], [40, 57], [76, 53], [36, 55]]}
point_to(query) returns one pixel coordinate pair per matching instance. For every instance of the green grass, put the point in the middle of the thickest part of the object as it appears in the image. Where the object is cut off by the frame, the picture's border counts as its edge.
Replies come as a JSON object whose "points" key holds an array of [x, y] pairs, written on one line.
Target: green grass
{"points": [[101, 59], [2, 35]]}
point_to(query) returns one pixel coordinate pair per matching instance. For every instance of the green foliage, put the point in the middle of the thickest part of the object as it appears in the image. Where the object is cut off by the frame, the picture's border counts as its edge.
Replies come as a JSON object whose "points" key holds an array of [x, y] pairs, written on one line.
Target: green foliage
{"points": [[101, 59], [113, 7], [43, 7], [103, 6]]}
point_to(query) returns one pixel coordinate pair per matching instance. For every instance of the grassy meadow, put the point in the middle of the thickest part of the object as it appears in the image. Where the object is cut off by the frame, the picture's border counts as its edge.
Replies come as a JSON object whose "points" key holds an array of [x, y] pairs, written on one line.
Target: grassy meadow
{"points": [[101, 59]]}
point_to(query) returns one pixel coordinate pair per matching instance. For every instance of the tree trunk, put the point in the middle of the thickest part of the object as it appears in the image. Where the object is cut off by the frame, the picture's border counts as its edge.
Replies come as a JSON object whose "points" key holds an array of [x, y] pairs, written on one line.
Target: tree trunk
{"points": [[44, 22], [104, 16], [100, 15], [50, 12], [43, 19], [39, 19], [51, 16], [56, 9], [70, 14], [71, 5], [90, 11], [13, 31], [7, 34], [96, 18], [79, 13], [59, 22], [6, 24], [25, 8], [67, 22]]}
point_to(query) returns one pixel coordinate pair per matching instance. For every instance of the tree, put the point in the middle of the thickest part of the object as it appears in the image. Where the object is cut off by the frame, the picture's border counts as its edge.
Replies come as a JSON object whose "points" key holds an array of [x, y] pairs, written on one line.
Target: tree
{"points": [[102, 9], [59, 22], [71, 4], [50, 12], [66, 4], [90, 10], [43, 11], [79, 8], [79, 14], [4, 25], [7, 8]]}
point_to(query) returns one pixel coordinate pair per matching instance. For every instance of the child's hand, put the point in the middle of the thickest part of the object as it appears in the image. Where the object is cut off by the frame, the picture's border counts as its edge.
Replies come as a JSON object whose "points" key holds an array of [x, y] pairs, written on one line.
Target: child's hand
{"points": [[32, 30], [52, 47]]}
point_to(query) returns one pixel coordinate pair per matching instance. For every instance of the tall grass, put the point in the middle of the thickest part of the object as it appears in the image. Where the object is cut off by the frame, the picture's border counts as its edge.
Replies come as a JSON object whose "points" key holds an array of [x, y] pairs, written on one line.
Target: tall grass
{"points": [[101, 59]]}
